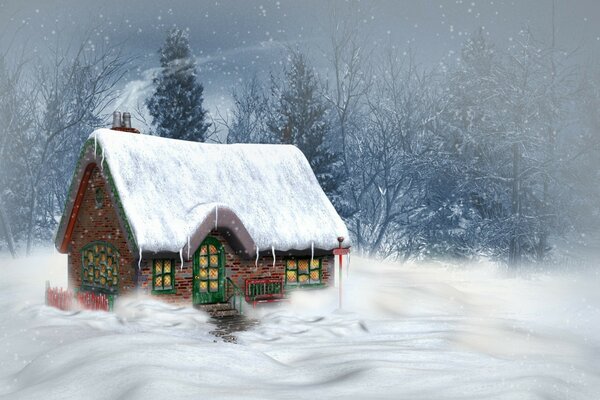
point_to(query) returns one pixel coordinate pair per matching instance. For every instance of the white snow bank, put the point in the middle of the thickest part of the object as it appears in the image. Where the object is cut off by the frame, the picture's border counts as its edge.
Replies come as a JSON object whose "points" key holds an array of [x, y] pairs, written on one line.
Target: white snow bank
{"points": [[414, 332], [167, 188]]}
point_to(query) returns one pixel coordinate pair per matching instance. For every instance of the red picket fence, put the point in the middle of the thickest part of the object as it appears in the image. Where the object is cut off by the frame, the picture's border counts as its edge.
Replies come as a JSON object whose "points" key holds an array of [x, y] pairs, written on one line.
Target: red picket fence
{"points": [[93, 301], [68, 300], [59, 298]]}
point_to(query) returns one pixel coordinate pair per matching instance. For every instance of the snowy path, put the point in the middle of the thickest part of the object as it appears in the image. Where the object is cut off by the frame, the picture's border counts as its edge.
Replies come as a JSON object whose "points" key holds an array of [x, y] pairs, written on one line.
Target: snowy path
{"points": [[417, 333]]}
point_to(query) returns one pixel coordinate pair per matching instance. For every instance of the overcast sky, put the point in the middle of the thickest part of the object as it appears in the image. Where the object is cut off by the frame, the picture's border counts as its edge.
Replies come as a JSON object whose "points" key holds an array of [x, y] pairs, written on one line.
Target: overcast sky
{"points": [[234, 39]]}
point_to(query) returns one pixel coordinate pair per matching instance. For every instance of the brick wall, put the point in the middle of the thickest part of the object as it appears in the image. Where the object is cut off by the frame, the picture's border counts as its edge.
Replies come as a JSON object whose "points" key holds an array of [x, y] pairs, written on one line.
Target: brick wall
{"points": [[236, 268], [94, 224], [183, 281]]}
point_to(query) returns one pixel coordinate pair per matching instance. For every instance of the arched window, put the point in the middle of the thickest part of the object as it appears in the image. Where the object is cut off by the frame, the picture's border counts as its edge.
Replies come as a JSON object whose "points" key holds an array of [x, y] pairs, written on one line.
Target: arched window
{"points": [[100, 267]]}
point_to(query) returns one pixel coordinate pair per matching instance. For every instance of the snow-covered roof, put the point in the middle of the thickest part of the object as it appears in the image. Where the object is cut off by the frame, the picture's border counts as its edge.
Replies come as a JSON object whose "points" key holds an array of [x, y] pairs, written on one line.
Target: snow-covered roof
{"points": [[170, 189]]}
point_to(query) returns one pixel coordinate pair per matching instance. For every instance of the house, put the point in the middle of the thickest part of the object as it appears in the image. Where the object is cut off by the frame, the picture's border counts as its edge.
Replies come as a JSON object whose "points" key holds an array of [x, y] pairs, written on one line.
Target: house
{"points": [[193, 223]]}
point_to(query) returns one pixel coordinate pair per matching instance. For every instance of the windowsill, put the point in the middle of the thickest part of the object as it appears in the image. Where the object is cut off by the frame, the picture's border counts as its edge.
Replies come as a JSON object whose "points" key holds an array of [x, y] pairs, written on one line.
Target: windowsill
{"points": [[168, 291]]}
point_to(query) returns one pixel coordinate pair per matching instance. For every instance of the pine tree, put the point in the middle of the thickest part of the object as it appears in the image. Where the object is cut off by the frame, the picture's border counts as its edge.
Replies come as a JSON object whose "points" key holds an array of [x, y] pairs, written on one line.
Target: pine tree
{"points": [[176, 105], [302, 118]]}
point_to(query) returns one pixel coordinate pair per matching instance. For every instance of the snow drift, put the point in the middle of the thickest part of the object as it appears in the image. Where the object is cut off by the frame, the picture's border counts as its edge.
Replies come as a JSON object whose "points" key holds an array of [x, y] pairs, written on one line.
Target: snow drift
{"points": [[416, 332]]}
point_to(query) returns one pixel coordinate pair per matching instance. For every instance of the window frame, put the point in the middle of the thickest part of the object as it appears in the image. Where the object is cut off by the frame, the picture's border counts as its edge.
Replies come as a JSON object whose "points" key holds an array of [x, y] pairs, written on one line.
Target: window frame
{"points": [[114, 289], [172, 289], [99, 198], [308, 284]]}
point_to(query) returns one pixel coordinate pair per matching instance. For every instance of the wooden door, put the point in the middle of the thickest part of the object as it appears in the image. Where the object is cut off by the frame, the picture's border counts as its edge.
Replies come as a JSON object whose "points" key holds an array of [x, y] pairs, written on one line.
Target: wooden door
{"points": [[209, 272]]}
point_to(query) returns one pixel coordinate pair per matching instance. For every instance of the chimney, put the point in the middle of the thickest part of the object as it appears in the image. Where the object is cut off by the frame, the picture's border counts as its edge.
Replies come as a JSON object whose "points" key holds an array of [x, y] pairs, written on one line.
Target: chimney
{"points": [[116, 119], [122, 122], [126, 120]]}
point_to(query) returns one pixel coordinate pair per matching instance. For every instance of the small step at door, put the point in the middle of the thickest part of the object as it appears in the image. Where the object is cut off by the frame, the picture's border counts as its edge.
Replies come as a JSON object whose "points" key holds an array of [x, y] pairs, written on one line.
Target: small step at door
{"points": [[218, 310]]}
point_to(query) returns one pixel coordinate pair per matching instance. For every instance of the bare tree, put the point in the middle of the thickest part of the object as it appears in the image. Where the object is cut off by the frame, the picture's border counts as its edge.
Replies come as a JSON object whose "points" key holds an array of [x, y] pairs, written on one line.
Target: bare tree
{"points": [[351, 80], [67, 97], [391, 156], [13, 119], [248, 121]]}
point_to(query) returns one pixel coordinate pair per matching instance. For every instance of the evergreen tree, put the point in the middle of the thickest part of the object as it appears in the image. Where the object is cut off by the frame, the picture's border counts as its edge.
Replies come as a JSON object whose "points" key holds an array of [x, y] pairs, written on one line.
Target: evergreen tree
{"points": [[176, 105], [302, 118]]}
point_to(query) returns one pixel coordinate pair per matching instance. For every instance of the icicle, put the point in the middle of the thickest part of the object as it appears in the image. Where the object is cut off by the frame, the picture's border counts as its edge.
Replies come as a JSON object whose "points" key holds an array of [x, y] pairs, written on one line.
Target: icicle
{"points": [[102, 162], [140, 260], [216, 216], [95, 143], [273, 251], [181, 257], [256, 261], [312, 253]]}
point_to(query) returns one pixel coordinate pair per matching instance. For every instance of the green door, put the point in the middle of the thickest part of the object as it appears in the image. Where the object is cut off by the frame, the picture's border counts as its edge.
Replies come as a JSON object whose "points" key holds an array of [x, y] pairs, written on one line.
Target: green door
{"points": [[209, 272]]}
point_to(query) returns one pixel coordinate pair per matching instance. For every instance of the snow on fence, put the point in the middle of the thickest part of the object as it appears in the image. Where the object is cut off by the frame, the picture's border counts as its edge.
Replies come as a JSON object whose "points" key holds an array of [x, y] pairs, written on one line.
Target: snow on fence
{"points": [[68, 299]]}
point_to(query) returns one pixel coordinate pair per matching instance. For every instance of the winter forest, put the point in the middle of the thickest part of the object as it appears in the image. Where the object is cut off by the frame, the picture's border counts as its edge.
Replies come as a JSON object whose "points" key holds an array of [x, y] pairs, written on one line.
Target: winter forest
{"points": [[458, 142], [492, 150]]}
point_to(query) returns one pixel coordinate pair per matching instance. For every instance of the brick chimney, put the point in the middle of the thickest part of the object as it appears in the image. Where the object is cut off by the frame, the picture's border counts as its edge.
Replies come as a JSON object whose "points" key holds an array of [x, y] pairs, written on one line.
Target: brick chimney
{"points": [[122, 122]]}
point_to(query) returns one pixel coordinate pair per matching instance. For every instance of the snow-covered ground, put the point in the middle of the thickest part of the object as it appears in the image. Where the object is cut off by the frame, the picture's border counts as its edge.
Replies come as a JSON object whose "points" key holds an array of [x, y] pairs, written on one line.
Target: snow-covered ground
{"points": [[411, 332]]}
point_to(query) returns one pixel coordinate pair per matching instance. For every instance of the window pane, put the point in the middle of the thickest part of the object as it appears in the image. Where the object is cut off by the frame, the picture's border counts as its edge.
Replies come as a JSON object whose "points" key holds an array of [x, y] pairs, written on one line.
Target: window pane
{"points": [[213, 249], [158, 282], [315, 276], [291, 264], [167, 266], [203, 273], [203, 286], [167, 280], [214, 261], [302, 265], [302, 278], [203, 261], [315, 264], [157, 267], [214, 286], [291, 276], [213, 273]]}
